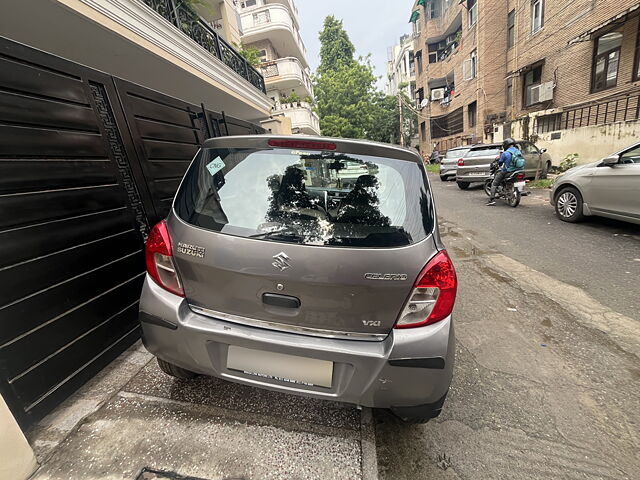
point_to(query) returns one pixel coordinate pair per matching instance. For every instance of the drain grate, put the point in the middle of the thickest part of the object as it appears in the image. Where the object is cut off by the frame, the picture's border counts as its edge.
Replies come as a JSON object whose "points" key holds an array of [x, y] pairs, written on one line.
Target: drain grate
{"points": [[151, 474]]}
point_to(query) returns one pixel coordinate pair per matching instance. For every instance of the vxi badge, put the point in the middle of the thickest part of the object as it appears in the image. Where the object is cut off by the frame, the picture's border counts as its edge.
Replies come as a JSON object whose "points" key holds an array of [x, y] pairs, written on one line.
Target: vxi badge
{"points": [[385, 276]]}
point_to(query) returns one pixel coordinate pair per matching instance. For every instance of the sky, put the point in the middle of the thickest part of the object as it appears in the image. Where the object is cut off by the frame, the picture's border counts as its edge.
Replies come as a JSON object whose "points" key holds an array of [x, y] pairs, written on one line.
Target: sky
{"points": [[372, 25]]}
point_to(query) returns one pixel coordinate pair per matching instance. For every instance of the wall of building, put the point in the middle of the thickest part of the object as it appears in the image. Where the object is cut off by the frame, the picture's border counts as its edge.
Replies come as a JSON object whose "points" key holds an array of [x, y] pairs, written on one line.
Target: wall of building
{"points": [[591, 143], [568, 65], [17, 461]]}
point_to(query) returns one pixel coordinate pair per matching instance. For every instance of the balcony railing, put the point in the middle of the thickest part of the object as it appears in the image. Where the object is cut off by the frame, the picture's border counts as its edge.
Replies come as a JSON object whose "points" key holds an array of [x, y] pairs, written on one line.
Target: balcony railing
{"points": [[186, 20], [623, 108], [285, 67], [271, 14]]}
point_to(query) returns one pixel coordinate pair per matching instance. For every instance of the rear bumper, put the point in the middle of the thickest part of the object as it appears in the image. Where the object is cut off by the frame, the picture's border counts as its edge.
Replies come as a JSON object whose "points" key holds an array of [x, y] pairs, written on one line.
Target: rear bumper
{"points": [[473, 178], [448, 171], [409, 368]]}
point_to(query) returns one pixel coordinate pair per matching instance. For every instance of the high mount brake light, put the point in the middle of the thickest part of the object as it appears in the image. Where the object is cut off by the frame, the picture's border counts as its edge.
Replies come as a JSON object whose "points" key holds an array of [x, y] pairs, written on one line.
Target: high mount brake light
{"points": [[305, 144], [461, 162], [159, 260], [433, 295]]}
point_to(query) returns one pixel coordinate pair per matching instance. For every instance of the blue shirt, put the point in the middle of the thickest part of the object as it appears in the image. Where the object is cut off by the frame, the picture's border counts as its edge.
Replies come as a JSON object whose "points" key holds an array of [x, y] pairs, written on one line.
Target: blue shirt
{"points": [[506, 158]]}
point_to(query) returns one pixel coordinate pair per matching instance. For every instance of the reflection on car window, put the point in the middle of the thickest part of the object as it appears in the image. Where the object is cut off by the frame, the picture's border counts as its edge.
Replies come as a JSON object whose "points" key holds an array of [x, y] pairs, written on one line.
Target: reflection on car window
{"points": [[493, 151], [456, 153], [631, 156], [311, 198]]}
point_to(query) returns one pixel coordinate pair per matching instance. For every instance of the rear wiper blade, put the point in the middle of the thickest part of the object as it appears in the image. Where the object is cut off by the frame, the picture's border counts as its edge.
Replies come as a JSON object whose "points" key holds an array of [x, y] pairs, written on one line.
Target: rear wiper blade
{"points": [[280, 234]]}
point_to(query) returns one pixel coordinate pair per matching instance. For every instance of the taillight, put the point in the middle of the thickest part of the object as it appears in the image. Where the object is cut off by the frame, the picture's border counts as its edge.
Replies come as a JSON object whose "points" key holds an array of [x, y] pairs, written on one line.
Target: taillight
{"points": [[159, 258], [461, 162], [520, 177], [433, 295]]}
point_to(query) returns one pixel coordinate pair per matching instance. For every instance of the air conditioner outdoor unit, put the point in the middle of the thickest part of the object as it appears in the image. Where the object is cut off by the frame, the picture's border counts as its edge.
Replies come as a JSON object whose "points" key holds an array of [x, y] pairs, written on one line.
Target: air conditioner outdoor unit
{"points": [[541, 93], [437, 94]]}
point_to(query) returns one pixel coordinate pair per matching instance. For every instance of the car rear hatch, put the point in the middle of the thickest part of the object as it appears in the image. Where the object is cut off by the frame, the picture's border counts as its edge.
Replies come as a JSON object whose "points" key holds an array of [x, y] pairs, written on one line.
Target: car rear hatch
{"points": [[305, 235], [478, 160]]}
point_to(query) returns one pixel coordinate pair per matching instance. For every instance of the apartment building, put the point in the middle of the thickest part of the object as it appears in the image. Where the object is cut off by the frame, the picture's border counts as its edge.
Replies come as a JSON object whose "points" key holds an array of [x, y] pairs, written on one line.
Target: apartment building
{"points": [[401, 77], [460, 69], [564, 74], [573, 75], [162, 44], [273, 27]]}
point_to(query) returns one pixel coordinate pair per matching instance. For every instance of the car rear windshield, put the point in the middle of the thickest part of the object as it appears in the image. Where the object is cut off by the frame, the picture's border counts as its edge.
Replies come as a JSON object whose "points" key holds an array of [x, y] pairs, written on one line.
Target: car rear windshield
{"points": [[307, 197], [456, 153], [484, 152]]}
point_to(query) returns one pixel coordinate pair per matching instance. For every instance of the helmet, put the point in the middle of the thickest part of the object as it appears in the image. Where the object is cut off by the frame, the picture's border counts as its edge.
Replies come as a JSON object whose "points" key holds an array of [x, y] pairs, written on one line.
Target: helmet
{"points": [[508, 142]]}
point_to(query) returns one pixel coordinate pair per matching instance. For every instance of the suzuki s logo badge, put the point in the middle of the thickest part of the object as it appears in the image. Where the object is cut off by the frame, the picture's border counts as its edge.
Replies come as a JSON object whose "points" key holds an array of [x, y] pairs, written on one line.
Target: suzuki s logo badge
{"points": [[281, 261]]}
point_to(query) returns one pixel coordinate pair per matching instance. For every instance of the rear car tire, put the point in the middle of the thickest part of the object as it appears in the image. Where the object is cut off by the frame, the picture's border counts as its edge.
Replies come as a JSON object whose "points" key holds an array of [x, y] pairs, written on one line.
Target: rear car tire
{"points": [[444, 178], [175, 371], [463, 185], [419, 413], [568, 205], [545, 171]]}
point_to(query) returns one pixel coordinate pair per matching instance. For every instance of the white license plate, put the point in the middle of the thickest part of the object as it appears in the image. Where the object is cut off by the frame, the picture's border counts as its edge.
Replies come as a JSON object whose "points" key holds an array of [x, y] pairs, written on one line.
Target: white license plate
{"points": [[279, 366], [519, 185], [477, 173]]}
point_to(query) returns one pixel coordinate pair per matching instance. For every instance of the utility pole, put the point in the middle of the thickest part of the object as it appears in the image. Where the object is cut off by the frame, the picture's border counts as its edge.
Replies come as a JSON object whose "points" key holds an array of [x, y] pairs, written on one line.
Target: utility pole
{"points": [[401, 119]]}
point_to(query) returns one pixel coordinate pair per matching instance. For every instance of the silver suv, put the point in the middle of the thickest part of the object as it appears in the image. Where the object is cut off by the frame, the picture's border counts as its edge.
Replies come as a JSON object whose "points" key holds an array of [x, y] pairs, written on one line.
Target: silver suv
{"points": [[305, 265]]}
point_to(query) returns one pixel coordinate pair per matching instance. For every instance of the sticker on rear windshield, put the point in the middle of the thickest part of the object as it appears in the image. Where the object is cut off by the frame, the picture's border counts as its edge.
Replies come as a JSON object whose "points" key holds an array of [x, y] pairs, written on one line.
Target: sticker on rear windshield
{"points": [[215, 166]]}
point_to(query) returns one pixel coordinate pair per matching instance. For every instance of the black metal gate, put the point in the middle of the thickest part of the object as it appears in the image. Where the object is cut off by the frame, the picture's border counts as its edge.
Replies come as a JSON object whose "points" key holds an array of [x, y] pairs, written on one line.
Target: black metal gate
{"points": [[87, 164]]}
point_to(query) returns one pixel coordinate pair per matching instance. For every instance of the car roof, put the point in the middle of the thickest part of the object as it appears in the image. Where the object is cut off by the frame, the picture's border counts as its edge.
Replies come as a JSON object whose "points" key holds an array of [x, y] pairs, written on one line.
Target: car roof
{"points": [[343, 145]]}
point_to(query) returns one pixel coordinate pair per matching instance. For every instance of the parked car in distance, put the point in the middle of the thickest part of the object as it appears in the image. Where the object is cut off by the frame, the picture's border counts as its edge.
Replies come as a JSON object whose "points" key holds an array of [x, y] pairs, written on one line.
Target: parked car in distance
{"points": [[607, 188], [474, 167], [449, 162], [273, 271]]}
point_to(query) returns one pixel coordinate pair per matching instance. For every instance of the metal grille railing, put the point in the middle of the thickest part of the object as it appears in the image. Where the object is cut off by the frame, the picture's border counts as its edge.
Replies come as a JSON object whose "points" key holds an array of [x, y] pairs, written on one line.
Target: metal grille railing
{"points": [[602, 113], [186, 20]]}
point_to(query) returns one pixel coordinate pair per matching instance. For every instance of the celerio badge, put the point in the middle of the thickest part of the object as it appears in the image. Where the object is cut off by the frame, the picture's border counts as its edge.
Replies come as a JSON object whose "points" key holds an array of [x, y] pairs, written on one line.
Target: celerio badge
{"points": [[385, 276]]}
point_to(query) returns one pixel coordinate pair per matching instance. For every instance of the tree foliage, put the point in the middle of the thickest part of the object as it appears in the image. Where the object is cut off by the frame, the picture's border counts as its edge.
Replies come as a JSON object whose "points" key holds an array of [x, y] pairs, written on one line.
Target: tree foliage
{"points": [[348, 102]]}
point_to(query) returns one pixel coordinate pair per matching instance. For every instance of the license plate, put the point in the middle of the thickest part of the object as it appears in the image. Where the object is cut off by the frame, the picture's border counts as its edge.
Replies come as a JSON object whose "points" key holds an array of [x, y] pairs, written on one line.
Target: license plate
{"points": [[477, 173], [279, 366], [519, 185]]}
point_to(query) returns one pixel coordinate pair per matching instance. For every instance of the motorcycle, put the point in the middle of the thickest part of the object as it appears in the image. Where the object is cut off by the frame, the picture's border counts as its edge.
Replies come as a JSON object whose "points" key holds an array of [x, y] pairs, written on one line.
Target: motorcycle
{"points": [[512, 187]]}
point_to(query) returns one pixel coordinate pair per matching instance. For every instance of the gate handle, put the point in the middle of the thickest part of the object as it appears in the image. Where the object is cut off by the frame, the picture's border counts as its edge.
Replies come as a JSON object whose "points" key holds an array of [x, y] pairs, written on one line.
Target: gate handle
{"points": [[280, 300]]}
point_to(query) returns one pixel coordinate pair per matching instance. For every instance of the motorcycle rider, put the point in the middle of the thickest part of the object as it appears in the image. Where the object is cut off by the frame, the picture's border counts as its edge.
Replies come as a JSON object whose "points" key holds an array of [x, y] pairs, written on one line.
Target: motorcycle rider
{"points": [[507, 165]]}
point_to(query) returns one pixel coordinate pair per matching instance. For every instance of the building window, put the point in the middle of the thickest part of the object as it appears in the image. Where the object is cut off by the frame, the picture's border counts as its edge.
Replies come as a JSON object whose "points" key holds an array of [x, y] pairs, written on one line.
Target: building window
{"points": [[470, 66], [537, 15], [418, 60], [606, 59], [532, 79], [440, 51], [511, 29], [636, 68], [423, 131], [433, 9], [472, 5], [509, 91], [447, 125], [472, 113], [248, 3]]}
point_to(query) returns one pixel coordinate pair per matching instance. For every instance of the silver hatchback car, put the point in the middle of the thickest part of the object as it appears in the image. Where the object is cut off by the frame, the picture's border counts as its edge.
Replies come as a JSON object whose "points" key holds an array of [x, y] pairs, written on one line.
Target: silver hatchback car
{"points": [[607, 188], [306, 265]]}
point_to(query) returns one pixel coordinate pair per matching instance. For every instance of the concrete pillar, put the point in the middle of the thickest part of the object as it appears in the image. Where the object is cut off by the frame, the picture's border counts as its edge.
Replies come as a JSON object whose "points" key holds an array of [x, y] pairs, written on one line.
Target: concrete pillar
{"points": [[17, 461]]}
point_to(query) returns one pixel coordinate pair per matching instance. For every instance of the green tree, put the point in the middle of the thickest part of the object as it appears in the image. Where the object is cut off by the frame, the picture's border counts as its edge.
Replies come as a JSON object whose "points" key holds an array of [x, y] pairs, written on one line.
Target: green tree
{"points": [[251, 54], [336, 49], [347, 101]]}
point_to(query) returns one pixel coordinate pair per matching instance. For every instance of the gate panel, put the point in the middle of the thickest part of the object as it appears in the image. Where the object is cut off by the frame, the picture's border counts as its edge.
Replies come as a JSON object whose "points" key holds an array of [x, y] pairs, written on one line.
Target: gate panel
{"points": [[70, 248], [167, 133]]}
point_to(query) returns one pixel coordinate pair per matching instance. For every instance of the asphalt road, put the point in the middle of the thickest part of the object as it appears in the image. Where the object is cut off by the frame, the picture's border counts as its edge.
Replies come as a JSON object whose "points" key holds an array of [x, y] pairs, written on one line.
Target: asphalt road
{"points": [[540, 390], [600, 256]]}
